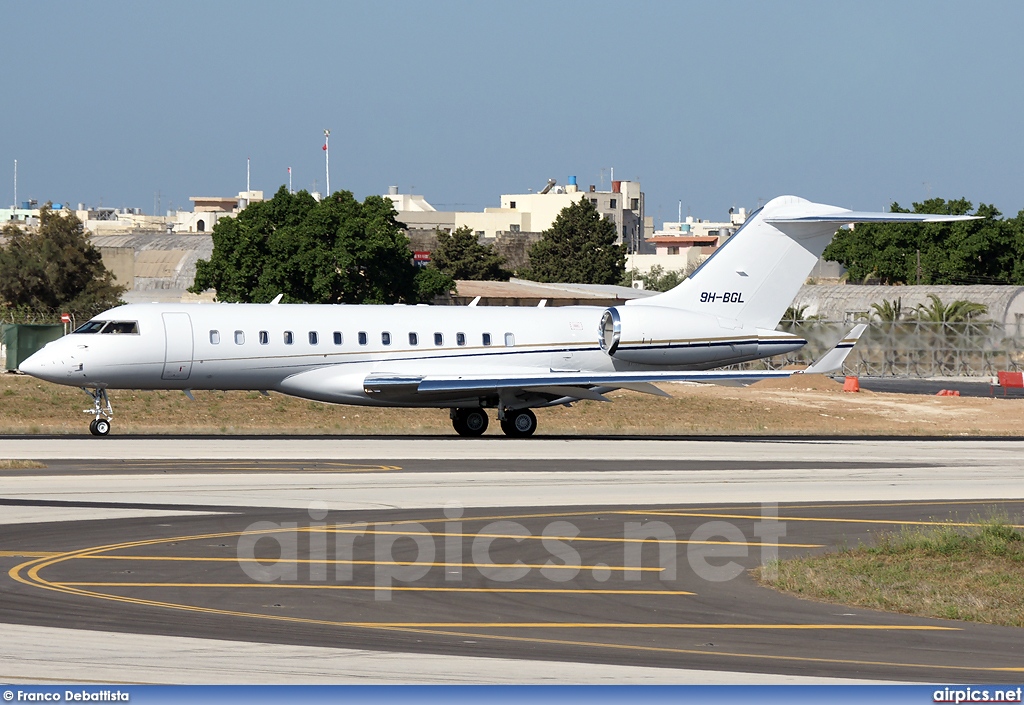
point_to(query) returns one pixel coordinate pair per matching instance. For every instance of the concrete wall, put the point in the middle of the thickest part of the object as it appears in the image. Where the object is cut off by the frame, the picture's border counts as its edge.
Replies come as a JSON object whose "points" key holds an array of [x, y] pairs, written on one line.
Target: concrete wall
{"points": [[121, 262]]}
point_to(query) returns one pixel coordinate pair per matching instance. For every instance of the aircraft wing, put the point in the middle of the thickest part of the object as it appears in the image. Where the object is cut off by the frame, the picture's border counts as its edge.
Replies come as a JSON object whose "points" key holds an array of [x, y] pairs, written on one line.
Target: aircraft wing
{"points": [[561, 387]]}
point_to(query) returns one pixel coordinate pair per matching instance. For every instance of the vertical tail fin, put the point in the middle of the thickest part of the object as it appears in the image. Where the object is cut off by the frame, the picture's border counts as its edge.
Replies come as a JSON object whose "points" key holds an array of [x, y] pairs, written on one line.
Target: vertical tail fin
{"points": [[755, 275]]}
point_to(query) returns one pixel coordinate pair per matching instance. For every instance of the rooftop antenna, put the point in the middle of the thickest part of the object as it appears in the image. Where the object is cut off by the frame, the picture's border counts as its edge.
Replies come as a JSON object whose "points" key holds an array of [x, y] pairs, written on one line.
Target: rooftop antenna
{"points": [[290, 180], [15, 186], [247, 176], [680, 210], [327, 159]]}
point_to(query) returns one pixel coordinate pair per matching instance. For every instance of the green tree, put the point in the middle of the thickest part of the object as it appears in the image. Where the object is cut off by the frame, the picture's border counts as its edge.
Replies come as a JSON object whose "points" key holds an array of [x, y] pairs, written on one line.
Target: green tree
{"points": [[579, 248], [336, 251], [55, 267], [977, 251], [657, 278], [461, 256]]}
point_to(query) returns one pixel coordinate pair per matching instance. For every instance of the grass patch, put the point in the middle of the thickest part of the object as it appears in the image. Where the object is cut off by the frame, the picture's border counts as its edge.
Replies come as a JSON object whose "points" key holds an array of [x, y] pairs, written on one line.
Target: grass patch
{"points": [[20, 464], [970, 573]]}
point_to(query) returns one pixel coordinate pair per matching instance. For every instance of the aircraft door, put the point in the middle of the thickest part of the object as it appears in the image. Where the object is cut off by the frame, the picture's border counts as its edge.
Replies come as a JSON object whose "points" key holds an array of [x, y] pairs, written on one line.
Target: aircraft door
{"points": [[177, 346]]}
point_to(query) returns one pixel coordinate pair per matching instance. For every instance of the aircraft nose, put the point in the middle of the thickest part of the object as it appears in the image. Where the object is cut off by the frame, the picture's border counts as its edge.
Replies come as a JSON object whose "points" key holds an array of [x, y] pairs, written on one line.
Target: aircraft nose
{"points": [[42, 365]]}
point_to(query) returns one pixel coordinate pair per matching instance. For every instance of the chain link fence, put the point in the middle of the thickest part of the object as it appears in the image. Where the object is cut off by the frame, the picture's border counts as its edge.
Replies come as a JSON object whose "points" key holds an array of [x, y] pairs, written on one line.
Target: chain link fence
{"points": [[911, 348]]}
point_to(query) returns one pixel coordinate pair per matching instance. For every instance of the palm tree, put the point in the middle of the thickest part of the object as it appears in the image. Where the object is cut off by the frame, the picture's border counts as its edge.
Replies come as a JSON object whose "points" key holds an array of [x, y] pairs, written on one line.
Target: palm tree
{"points": [[959, 311], [889, 311], [952, 327], [795, 314]]}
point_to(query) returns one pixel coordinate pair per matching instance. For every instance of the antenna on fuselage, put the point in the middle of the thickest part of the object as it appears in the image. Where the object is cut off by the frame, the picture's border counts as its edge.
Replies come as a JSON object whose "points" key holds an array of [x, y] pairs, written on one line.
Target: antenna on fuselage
{"points": [[276, 300]]}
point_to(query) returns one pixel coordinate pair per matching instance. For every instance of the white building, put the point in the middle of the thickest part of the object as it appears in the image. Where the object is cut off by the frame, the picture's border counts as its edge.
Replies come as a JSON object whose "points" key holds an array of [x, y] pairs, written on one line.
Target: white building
{"points": [[685, 244], [534, 212], [207, 210]]}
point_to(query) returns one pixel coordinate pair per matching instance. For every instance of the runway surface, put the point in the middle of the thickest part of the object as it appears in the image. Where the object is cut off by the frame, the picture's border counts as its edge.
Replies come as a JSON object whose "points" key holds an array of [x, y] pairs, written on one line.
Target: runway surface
{"points": [[530, 561]]}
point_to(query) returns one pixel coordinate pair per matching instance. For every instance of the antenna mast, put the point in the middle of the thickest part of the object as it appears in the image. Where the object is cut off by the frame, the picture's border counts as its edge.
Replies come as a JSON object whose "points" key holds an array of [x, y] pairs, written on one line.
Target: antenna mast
{"points": [[327, 159]]}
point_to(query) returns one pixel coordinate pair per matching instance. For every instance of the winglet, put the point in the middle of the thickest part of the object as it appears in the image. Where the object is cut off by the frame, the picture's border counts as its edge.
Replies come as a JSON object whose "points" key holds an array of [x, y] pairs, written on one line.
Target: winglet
{"points": [[833, 360]]}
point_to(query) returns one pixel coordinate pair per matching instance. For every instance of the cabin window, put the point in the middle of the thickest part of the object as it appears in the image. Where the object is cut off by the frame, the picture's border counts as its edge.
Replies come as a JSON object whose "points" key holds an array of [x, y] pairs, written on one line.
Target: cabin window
{"points": [[215, 337], [487, 338], [314, 338], [362, 337], [460, 338], [438, 339], [264, 338], [337, 337], [123, 327], [510, 340], [90, 327], [289, 337], [414, 339], [239, 338], [385, 338]]}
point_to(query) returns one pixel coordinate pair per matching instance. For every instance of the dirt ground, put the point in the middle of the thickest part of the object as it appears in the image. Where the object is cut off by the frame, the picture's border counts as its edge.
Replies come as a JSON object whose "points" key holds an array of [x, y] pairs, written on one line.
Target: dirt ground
{"points": [[803, 405]]}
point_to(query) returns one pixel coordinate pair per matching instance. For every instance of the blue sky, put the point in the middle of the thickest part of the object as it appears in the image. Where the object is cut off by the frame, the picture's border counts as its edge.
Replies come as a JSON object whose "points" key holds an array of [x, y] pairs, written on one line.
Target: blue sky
{"points": [[717, 104]]}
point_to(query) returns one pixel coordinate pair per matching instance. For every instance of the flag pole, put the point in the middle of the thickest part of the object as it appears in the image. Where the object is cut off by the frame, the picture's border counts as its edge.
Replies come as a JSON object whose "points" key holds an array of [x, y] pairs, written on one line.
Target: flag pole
{"points": [[327, 158]]}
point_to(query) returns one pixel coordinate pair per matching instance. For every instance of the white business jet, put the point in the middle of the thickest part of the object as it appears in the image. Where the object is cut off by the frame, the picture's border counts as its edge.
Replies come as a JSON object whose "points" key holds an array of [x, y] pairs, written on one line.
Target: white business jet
{"points": [[470, 359]]}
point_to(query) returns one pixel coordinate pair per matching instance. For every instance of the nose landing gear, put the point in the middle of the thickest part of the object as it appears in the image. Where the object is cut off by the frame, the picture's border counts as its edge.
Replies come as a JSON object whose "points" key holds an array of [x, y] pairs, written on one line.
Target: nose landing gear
{"points": [[101, 410]]}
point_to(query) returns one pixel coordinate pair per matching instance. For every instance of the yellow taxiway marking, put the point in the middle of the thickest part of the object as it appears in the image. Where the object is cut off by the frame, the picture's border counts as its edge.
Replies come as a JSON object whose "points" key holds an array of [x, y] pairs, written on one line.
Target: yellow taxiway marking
{"points": [[32, 578], [699, 652], [268, 561], [759, 517], [249, 466], [399, 588], [28, 554], [540, 537], [620, 625]]}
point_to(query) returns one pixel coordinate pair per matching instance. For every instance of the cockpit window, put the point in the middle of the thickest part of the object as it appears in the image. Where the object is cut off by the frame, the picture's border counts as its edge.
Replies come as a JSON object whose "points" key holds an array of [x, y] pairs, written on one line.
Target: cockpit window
{"points": [[90, 327], [122, 327]]}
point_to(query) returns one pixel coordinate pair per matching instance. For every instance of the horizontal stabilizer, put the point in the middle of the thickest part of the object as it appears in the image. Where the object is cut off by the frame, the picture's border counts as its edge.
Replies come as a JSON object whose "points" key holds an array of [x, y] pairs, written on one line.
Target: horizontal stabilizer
{"points": [[833, 360], [846, 217]]}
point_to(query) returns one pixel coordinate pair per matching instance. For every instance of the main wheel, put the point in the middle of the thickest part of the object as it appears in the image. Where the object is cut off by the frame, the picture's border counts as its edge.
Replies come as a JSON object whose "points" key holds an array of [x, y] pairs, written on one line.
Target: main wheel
{"points": [[519, 423], [92, 427], [100, 427], [470, 422]]}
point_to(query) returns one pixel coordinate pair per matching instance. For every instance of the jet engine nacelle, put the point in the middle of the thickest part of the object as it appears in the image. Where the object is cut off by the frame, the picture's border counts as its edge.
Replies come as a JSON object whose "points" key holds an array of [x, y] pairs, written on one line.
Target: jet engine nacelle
{"points": [[657, 335]]}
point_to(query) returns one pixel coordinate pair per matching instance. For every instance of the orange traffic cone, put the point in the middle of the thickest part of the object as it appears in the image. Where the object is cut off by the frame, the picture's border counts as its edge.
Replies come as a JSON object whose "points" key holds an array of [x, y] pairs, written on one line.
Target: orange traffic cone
{"points": [[852, 384]]}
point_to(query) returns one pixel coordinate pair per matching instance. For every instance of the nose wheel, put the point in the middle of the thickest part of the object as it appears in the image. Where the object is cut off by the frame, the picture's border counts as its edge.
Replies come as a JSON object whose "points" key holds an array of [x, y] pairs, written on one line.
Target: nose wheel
{"points": [[99, 427], [101, 410]]}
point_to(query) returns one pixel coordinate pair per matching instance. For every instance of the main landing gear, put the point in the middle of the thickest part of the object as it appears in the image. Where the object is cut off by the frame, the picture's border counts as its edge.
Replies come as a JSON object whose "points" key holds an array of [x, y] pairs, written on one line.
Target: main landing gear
{"points": [[515, 423], [469, 422], [101, 409], [519, 423]]}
